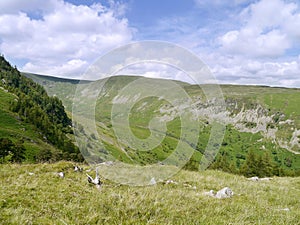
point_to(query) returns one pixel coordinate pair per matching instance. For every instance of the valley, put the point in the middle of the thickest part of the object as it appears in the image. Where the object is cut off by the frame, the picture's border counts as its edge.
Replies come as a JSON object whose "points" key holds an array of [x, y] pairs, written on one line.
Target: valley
{"points": [[258, 118]]}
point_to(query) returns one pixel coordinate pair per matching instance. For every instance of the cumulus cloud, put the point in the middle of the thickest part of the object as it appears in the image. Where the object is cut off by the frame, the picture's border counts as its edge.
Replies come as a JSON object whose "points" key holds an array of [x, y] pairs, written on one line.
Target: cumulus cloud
{"points": [[254, 42], [249, 42], [65, 39], [71, 68], [241, 70], [261, 49], [269, 30]]}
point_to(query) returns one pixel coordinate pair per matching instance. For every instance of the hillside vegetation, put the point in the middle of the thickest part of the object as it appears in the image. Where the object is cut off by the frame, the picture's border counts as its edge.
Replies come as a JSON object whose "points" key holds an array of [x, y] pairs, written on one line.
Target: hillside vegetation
{"points": [[263, 125], [34, 194], [34, 126]]}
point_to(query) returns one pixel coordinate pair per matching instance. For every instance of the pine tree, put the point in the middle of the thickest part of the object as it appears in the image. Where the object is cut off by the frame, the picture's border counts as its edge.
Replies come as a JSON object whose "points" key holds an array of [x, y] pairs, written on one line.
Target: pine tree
{"points": [[18, 152], [265, 165], [5, 147], [250, 166]]}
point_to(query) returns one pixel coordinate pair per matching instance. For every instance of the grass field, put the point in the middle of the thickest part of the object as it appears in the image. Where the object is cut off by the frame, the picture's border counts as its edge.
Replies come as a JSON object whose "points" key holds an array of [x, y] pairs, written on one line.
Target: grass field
{"points": [[45, 198]]}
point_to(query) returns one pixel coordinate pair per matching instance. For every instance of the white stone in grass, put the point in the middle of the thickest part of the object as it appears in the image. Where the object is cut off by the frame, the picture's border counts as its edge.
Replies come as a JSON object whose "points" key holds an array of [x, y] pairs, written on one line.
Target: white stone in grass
{"points": [[223, 193], [266, 179], [253, 178], [77, 169], [171, 182], [61, 174], [210, 193], [285, 209], [152, 181], [226, 192]]}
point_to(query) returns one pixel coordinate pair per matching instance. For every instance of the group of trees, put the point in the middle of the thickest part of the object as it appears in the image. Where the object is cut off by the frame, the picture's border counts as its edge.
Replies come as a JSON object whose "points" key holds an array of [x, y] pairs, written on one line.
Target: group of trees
{"points": [[34, 106], [261, 165], [254, 164], [10, 151]]}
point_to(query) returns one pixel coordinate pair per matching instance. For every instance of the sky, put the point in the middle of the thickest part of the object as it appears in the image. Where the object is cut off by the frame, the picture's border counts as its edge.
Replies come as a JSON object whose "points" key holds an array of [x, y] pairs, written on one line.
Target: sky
{"points": [[242, 41]]}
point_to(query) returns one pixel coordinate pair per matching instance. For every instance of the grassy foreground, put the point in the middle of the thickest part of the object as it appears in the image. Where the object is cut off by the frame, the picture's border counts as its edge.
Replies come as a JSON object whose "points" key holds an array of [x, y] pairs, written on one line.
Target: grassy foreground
{"points": [[45, 198]]}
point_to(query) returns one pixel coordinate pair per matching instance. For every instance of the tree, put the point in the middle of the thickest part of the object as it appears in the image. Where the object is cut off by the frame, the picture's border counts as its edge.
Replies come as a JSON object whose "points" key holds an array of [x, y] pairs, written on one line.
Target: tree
{"points": [[250, 166], [265, 165], [224, 163], [5, 147], [18, 152], [44, 155]]}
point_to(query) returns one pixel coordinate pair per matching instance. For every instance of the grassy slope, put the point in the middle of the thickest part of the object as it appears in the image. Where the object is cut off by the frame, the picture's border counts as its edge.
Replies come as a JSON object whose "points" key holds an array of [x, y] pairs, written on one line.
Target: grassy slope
{"points": [[64, 89], [14, 129], [44, 198]]}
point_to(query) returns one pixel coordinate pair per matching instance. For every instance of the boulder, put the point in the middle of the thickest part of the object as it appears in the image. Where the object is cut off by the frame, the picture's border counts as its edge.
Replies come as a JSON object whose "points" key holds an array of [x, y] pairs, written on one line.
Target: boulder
{"points": [[253, 178], [226, 192]]}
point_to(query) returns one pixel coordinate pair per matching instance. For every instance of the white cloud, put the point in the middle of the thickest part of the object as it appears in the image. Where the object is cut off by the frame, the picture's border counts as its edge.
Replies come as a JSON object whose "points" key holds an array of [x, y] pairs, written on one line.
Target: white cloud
{"points": [[249, 42], [269, 30], [72, 68], [269, 13], [238, 70], [261, 49], [65, 34]]}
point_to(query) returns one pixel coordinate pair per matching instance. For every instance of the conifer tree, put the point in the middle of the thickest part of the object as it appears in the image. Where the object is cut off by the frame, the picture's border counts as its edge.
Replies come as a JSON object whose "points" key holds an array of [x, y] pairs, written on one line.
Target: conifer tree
{"points": [[265, 165], [250, 166]]}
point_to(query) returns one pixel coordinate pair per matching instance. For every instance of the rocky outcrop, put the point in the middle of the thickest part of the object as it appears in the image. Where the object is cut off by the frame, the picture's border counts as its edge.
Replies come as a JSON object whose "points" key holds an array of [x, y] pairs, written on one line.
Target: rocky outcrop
{"points": [[252, 120]]}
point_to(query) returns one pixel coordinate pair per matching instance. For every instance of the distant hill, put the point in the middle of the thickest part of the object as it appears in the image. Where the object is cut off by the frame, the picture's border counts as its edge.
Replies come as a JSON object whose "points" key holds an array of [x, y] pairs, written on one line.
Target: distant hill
{"points": [[34, 126], [261, 120]]}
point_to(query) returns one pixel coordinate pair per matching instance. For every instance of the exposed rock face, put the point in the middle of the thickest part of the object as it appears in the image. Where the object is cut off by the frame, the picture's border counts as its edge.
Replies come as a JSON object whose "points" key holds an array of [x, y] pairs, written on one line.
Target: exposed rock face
{"points": [[295, 139], [294, 142], [252, 120]]}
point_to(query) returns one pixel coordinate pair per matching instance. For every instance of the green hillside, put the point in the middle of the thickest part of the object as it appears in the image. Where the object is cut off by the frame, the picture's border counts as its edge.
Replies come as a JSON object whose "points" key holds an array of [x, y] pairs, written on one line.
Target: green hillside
{"points": [[34, 127], [260, 120], [64, 89], [34, 194], [15, 129]]}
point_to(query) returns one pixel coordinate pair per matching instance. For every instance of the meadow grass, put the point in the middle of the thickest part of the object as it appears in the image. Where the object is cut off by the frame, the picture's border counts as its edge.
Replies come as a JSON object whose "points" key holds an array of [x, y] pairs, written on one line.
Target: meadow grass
{"points": [[45, 198]]}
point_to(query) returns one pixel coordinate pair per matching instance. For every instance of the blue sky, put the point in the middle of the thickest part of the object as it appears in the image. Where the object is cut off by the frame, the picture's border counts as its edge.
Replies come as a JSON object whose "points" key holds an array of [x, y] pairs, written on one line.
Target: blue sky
{"points": [[242, 41]]}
